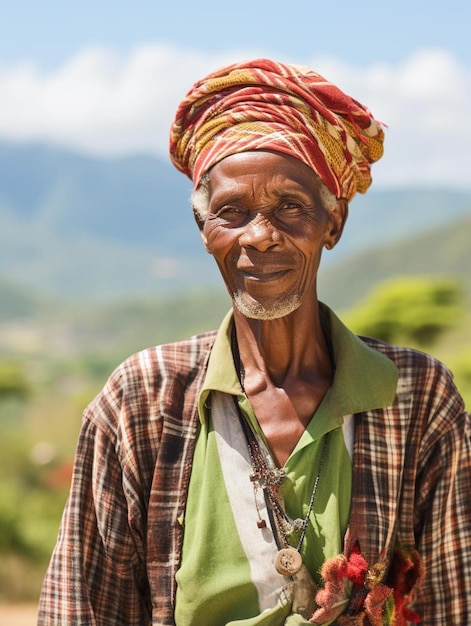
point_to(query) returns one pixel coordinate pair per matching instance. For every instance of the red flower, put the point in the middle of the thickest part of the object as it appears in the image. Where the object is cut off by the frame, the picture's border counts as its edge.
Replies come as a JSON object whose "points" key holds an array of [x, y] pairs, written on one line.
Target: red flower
{"points": [[405, 572], [354, 594]]}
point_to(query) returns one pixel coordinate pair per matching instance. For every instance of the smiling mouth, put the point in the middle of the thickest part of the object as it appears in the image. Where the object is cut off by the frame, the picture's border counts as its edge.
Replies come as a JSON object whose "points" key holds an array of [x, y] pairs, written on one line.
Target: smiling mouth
{"points": [[263, 277]]}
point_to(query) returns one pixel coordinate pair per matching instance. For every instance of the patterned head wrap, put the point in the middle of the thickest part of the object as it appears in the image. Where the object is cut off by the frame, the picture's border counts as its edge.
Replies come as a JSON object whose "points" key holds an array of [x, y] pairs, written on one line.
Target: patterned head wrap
{"points": [[264, 105]]}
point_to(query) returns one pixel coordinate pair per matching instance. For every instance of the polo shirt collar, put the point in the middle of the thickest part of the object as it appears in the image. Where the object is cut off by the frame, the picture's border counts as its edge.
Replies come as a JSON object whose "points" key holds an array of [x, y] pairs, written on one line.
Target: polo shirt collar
{"points": [[364, 379]]}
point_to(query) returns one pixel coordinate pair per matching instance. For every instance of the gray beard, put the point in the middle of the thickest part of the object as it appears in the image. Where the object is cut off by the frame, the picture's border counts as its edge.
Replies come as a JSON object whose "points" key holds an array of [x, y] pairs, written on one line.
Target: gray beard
{"points": [[256, 311]]}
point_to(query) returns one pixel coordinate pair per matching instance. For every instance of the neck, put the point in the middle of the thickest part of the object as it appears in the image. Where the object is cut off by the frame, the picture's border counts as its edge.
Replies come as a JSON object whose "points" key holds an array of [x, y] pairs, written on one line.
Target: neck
{"points": [[291, 347]]}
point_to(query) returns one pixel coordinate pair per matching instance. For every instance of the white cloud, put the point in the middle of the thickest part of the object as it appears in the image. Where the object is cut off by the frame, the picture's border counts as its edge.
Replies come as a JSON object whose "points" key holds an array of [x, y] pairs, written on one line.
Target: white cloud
{"points": [[99, 102], [104, 104], [424, 103]]}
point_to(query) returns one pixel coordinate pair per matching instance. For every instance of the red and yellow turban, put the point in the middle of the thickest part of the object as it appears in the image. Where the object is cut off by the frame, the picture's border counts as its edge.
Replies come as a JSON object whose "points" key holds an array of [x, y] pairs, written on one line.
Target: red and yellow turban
{"points": [[264, 105]]}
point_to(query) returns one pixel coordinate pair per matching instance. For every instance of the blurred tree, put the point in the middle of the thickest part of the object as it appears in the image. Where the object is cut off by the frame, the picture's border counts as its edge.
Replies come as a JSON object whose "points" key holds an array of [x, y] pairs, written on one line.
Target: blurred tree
{"points": [[464, 368], [11, 537], [13, 380], [414, 310]]}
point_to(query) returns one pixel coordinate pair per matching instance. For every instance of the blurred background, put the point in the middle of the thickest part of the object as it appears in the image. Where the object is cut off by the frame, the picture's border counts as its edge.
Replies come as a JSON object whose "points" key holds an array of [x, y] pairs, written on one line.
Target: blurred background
{"points": [[99, 254]]}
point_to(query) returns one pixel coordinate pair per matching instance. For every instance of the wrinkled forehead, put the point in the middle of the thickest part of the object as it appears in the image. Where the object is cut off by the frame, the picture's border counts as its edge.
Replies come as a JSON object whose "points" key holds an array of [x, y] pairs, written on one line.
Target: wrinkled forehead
{"points": [[255, 166]]}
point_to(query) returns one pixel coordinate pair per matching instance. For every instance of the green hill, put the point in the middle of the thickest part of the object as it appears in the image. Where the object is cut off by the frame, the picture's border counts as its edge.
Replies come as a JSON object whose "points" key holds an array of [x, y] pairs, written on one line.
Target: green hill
{"points": [[93, 230], [18, 303], [131, 323], [442, 251]]}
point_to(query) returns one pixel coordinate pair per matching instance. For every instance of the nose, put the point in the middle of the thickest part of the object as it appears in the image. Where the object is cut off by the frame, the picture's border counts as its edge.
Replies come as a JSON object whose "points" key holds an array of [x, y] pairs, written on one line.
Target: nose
{"points": [[259, 233]]}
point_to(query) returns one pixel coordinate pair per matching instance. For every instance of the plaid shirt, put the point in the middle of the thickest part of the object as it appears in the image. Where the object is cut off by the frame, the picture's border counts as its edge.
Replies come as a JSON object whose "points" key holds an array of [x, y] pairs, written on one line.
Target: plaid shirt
{"points": [[120, 539]]}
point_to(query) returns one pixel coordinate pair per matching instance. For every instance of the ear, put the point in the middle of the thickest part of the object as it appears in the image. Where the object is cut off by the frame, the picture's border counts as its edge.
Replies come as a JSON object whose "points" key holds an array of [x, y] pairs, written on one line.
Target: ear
{"points": [[338, 217], [200, 223]]}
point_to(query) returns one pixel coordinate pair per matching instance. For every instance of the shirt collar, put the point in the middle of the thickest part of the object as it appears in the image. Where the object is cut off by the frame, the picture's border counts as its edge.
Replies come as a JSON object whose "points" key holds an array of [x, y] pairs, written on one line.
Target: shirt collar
{"points": [[365, 379]]}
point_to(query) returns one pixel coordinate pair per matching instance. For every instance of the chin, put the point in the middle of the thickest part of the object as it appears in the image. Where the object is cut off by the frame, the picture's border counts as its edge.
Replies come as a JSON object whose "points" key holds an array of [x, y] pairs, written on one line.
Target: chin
{"points": [[272, 310]]}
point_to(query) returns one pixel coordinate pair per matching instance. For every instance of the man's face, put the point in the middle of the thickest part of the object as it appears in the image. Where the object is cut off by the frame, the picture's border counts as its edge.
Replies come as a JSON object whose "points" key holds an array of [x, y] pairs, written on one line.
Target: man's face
{"points": [[266, 228]]}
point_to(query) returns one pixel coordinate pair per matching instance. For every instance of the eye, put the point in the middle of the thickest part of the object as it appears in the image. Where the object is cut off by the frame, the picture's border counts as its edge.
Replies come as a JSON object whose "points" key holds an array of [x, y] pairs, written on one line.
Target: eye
{"points": [[230, 214], [290, 209]]}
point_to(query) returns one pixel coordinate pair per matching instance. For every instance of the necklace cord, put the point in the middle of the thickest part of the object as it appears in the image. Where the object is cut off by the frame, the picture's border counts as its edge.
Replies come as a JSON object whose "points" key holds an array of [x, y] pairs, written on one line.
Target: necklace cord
{"points": [[271, 478], [313, 494]]}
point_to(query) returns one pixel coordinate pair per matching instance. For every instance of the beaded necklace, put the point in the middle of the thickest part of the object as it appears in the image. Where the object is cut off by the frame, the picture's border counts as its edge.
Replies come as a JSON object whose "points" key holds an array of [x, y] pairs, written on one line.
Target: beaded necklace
{"points": [[265, 475], [268, 477]]}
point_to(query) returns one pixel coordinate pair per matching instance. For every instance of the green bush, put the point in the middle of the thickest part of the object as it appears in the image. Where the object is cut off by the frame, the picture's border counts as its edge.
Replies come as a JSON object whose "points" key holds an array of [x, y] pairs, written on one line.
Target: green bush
{"points": [[13, 380], [31, 500], [415, 310], [462, 365]]}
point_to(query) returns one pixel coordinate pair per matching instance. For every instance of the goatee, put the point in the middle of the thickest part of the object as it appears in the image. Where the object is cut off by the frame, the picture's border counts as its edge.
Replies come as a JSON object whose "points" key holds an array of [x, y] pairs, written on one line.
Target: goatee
{"points": [[271, 311]]}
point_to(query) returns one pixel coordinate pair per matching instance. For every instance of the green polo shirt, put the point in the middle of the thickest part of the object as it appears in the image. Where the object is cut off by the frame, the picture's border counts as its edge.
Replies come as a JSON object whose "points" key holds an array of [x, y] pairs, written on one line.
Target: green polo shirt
{"points": [[218, 584]]}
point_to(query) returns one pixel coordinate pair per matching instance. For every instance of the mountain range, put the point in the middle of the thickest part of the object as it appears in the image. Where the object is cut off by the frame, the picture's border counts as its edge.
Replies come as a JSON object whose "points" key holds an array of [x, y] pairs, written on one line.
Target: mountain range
{"points": [[83, 229]]}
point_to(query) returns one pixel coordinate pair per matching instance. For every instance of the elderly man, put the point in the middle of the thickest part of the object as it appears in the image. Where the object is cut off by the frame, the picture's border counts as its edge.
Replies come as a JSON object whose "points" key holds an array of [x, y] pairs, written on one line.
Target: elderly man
{"points": [[280, 470]]}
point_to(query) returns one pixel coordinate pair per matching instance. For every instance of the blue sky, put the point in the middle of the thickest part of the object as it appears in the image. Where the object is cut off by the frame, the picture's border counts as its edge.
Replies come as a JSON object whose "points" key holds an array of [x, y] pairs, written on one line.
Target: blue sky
{"points": [[50, 31], [104, 78]]}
